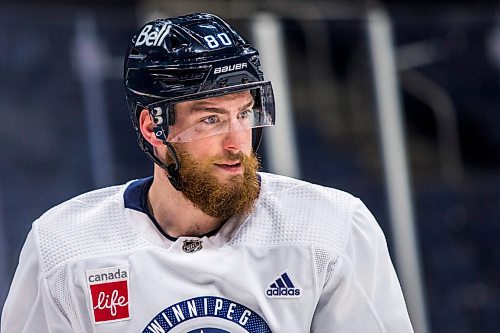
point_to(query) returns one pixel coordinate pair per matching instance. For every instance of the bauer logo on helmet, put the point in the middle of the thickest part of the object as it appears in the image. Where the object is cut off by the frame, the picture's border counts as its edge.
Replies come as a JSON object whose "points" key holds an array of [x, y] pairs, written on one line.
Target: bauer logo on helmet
{"points": [[230, 68]]}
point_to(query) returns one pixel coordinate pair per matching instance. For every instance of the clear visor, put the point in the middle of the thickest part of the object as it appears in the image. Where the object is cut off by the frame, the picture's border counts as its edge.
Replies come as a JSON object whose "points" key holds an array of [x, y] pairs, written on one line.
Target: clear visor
{"points": [[246, 107]]}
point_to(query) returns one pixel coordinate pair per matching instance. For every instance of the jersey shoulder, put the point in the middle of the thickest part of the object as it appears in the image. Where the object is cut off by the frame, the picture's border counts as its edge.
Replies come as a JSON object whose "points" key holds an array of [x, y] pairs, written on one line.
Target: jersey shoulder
{"points": [[295, 212], [89, 225]]}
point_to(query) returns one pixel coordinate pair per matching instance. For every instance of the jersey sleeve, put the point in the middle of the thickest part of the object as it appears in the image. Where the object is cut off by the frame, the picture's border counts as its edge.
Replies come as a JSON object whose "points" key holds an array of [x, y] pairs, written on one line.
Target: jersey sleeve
{"points": [[362, 292], [29, 306]]}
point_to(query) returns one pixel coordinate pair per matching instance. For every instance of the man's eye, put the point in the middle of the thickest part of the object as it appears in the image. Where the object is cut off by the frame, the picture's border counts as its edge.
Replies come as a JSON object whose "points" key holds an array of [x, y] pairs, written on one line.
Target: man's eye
{"points": [[210, 120], [245, 114]]}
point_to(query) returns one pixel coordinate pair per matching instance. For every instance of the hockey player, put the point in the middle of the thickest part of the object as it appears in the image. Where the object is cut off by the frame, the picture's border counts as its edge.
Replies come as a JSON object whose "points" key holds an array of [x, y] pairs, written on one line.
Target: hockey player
{"points": [[207, 244]]}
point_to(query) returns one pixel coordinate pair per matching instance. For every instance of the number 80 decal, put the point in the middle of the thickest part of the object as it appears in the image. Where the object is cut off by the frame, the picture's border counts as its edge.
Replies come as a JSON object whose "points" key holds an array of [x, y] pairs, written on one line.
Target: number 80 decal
{"points": [[213, 42]]}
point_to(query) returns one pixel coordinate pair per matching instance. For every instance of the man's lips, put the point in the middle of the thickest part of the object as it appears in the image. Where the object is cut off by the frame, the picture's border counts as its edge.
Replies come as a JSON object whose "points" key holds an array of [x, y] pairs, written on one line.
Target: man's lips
{"points": [[229, 166]]}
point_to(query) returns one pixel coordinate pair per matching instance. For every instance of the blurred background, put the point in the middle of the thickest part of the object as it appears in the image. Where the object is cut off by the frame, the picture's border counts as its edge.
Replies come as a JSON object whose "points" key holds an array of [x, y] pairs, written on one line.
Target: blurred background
{"points": [[397, 103]]}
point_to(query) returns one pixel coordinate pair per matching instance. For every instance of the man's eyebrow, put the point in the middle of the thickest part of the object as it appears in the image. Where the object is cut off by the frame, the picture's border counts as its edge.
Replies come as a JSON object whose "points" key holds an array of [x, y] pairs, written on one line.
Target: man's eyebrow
{"points": [[202, 106], [249, 104]]}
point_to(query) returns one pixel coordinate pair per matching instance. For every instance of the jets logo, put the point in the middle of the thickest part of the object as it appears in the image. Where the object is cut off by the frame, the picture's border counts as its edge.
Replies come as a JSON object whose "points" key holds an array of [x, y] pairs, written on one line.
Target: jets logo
{"points": [[207, 314], [209, 330]]}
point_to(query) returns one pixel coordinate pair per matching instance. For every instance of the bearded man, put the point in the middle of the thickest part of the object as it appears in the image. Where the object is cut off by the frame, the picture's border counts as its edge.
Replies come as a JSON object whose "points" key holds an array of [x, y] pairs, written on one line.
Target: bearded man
{"points": [[207, 243]]}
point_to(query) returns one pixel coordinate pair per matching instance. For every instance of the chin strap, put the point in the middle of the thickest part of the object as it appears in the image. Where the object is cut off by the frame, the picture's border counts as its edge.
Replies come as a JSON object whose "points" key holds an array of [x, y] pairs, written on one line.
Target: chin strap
{"points": [[172, 169], [257, 138]]}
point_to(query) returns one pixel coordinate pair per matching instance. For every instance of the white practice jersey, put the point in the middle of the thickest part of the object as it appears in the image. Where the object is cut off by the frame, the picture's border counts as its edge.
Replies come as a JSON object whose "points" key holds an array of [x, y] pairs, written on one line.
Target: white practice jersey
{"points": [[308, 259]]}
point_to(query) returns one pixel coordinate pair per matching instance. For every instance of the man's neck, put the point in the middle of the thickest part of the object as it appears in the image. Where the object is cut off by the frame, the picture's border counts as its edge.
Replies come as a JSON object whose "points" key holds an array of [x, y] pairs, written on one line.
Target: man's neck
{"points": [[174, 213]]}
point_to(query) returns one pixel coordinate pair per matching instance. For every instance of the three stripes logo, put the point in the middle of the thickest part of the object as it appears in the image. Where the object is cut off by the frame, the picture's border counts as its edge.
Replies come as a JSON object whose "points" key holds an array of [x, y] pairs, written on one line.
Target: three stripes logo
{"points": [[283, 287]]}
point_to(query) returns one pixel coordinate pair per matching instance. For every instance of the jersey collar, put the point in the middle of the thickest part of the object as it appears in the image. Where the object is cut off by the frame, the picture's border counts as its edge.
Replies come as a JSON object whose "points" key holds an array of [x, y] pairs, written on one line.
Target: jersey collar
{"points": [[136, 198]]}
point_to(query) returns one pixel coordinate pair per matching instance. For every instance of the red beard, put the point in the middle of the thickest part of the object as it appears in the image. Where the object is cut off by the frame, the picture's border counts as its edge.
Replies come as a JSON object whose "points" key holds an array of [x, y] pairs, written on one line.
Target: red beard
{"points": [[220, 200]]}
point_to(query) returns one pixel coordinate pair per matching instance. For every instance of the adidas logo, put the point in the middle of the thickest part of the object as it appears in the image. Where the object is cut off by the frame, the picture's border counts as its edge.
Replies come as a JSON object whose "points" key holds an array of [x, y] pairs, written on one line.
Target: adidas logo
{"points": [[283, 287]]}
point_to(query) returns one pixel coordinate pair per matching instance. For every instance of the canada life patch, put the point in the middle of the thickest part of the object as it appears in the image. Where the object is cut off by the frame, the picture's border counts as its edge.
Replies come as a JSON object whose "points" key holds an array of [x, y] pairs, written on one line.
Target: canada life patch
{"points": [[109, 294]]}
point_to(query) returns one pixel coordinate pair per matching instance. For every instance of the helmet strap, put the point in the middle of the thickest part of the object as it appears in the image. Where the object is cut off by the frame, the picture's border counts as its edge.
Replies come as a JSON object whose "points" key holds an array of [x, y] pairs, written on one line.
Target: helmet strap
{"points": [[257, 138], [172, 169]]}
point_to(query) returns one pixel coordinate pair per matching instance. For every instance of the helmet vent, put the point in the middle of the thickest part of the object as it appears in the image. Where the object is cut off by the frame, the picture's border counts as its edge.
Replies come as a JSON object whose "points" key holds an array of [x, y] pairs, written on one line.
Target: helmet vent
{"points": [[135, 54], [177, 43], [176, 79], [177, 40]]}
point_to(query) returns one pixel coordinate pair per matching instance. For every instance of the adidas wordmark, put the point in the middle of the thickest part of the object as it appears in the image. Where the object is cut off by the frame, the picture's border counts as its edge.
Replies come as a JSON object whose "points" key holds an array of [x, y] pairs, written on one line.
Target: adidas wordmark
{"points": [[283, 287]]}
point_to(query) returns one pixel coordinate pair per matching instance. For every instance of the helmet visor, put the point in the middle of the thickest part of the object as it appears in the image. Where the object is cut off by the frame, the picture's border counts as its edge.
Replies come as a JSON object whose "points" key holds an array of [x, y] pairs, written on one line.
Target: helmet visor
{"points": [[202, 117]]}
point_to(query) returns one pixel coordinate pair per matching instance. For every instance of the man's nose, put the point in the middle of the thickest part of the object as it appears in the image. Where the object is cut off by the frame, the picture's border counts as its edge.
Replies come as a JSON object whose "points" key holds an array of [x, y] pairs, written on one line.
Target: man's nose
{"points": [[235, 140]]}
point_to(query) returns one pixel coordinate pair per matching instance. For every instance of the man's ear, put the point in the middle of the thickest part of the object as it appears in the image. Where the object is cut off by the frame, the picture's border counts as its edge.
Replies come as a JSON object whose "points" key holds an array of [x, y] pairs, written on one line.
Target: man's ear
{"points": [[146, 126]]}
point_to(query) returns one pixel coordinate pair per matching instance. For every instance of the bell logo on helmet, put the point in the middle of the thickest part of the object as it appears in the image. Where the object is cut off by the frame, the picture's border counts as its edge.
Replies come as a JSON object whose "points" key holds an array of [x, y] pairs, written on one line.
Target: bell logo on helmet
{"points": [[230, 68], [154, 38]]}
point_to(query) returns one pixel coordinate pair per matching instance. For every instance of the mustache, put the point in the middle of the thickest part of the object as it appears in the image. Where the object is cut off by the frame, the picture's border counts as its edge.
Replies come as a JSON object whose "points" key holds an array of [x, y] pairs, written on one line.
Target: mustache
{"points": [[226, 156], [232, 157]]}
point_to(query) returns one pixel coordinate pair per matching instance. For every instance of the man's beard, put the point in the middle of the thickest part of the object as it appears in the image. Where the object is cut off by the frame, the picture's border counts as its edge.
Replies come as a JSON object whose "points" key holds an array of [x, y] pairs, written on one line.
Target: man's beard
{"points": [[236, 196]]}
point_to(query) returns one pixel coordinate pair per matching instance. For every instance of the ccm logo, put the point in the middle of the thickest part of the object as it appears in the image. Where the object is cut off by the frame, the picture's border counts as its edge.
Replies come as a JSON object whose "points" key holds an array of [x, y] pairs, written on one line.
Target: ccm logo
{"points": [[152, 38], [230, 68]]}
